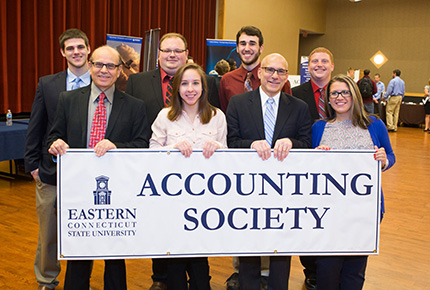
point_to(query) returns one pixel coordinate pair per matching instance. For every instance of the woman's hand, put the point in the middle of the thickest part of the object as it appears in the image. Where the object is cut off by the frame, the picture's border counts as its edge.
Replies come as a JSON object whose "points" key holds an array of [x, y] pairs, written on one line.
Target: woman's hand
{"points": [[184, 147], [323, 147], [209, 148], [380, 155]]}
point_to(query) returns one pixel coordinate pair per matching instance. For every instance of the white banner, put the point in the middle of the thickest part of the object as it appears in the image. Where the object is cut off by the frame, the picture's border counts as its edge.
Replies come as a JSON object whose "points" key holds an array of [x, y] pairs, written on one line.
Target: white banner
{"points": [[145, 203]]}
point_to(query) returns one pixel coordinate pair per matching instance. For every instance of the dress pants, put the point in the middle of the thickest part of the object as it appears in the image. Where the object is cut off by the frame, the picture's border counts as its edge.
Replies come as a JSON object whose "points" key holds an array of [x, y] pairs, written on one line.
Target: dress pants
{"points": [[78, 275], [197, 269], [341, 272], [159, 270], [393, 109], [310, 268], [46, 265], [279, 273], [265, 262]]}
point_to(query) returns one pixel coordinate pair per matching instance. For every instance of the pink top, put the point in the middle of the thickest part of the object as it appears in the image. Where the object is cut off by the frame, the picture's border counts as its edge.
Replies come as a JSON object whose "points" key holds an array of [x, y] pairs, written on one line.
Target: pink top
{"points": [[166, 133]]}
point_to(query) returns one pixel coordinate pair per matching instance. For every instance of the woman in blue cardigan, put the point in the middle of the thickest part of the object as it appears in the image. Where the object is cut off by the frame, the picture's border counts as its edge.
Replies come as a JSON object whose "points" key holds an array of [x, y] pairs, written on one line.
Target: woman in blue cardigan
{"points": [[348, 126]]}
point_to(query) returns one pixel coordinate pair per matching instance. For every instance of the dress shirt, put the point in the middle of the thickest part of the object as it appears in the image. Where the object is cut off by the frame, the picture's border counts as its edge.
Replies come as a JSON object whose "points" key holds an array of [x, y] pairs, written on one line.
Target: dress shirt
{"points": [[317, 92], [264, 98], [166, 133], [94, 102], [381, 89], [164, 82], [396, 87], [70, 80], [232, 84]]}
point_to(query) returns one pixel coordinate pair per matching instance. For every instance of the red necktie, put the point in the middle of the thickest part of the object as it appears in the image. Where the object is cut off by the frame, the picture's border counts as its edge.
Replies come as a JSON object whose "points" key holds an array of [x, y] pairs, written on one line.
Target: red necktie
{"points": [[98, 127], [321, 102], [168, 92]]}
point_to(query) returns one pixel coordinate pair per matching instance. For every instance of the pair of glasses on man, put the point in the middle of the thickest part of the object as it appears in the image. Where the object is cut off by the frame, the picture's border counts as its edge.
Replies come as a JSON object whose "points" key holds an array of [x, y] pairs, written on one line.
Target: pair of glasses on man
{"points": [[271, 71], [175, 51], [109, 66], [335, 94]]}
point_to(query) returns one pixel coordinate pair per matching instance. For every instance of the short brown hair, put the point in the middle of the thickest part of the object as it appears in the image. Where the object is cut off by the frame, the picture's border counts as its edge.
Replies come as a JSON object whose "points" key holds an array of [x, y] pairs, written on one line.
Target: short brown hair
{"points": [[72, 33], [171, 35]]}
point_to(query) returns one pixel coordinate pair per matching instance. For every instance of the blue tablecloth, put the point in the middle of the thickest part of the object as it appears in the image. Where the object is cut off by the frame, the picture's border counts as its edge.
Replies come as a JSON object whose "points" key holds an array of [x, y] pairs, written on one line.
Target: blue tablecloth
{"points": [[12, 140]]}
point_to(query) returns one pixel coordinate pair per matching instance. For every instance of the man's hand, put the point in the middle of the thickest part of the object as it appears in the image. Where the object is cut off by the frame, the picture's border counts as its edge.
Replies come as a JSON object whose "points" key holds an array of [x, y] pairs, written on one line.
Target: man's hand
{"points": [[58, 147], [282, 148], [263, 149], [35, 174], [103, 146]]}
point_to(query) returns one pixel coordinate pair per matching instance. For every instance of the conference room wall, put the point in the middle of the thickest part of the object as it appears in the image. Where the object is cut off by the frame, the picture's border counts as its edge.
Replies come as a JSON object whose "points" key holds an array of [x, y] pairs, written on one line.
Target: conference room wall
{"points": [[356, 31], [280, 22]]}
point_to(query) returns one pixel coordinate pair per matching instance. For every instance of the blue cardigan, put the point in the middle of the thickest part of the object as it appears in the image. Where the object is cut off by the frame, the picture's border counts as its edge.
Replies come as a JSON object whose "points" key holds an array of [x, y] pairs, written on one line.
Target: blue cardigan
{"points": [[378, 132]]}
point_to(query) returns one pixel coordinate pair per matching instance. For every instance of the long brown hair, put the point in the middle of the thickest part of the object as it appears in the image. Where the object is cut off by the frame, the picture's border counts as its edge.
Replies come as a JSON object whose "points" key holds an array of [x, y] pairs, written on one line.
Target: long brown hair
{"points": [[359, 116], [206, 110]]}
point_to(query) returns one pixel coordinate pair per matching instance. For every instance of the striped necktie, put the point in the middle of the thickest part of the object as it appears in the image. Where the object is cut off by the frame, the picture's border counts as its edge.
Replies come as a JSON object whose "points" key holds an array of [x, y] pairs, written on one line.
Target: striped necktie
{"points": [[269, 120], [168, 92], [76, 83], [321, 104], [98, 128], [247, 85]]}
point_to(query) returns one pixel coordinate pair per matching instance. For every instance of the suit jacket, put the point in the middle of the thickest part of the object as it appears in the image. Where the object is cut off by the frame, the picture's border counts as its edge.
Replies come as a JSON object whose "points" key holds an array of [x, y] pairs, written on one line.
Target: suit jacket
{"points": [[127, 126], [305, 93], [246, 124], [147, 87], [42, 117]]}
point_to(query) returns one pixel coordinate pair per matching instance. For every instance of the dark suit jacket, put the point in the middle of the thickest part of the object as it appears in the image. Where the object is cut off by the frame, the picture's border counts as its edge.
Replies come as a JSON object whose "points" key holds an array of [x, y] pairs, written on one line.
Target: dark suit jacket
{"points": [[127, 127], [147, 87], [305, 93], [42, 117], [246, 125]]}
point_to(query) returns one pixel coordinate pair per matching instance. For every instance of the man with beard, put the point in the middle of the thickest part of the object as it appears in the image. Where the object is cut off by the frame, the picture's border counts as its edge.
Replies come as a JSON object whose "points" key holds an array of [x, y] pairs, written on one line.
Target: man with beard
{"points": [[249, 41]]}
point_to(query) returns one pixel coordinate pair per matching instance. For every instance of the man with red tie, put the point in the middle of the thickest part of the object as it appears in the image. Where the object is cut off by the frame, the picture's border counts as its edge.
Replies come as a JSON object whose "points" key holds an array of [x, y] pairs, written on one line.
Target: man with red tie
{"points": [[320, 67], [103, 118]]}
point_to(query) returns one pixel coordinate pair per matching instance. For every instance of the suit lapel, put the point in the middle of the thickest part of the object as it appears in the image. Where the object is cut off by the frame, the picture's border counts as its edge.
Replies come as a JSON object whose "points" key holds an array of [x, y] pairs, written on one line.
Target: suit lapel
{"points": [[84, 97], [60, 82], [284, 112], [256, 113], [158, 88], [118, 101]]}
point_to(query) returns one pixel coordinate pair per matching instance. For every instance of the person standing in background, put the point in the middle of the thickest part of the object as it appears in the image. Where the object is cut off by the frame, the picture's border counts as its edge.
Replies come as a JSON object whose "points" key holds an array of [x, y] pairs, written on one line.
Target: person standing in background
{"points": [[377, 98], [394, 95]]}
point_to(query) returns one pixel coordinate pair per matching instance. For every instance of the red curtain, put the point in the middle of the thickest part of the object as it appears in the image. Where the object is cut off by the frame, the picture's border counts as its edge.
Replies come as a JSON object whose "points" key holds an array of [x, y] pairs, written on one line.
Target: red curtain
{"points": [[30, 29]]}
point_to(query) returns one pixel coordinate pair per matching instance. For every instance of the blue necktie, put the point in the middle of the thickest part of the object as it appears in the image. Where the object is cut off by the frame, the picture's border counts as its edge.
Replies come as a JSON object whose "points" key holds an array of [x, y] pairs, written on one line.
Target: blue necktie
{"points": [[269, 120], [76, 84]]}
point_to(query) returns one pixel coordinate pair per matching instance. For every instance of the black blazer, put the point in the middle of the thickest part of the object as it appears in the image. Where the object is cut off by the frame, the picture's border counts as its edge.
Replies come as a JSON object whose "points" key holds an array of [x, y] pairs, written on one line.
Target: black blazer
{"points": [[127, 127], [246, 125], [305, 93], [147, 87], [42, 117]]}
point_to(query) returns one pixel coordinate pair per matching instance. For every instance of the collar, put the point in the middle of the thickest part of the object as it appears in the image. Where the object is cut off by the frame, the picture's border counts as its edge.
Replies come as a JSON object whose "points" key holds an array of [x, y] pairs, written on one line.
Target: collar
{"points": [[163, 74], [95, 92], [316, 88], [254, 71], [85, 78], [264, 97]]}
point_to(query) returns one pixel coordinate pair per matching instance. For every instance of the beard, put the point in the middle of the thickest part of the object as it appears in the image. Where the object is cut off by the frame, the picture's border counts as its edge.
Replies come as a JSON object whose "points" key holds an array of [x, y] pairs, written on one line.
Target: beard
{"points": [[253, 60]]}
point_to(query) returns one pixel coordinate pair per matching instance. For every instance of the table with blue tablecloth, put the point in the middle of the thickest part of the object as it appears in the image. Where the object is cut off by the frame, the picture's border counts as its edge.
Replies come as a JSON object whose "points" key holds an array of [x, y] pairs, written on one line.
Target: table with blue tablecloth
{"points": [[12, 140]]}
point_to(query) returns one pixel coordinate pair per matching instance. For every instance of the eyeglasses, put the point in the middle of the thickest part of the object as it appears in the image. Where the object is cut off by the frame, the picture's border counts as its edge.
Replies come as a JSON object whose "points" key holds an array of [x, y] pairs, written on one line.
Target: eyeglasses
{"points": [[175, 51], [344, 93], [271, 71], [109, 66]]}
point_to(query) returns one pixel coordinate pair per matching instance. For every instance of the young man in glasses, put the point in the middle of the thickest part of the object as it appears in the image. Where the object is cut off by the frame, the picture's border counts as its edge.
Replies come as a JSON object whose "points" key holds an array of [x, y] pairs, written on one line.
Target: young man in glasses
{"points": [[286, 124], [249, 41], [75, 48]]}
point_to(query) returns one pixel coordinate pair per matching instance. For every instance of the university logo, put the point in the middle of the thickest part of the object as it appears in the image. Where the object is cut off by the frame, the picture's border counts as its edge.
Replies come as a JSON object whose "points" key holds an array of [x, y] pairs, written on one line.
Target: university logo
{"points": [[102, 192]]}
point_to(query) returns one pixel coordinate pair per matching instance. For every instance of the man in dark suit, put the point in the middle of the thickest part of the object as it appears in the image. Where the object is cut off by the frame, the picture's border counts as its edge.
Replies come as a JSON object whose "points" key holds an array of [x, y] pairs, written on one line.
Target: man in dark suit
{"points": [[74, 47], [123, 125], [263, 119], [320, 67], [153, 88]]}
